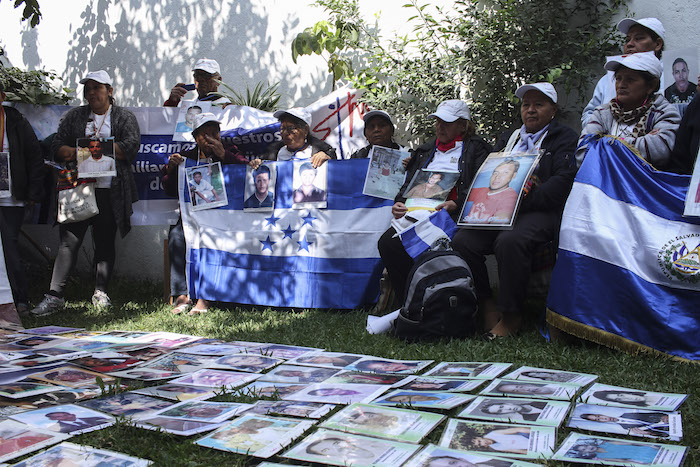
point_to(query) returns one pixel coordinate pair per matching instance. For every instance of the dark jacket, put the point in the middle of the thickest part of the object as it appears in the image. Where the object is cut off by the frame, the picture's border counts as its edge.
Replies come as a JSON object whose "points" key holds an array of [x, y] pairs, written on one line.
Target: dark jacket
{"points": [[556, 170], [26, 161], [364, 152], [316, 146], [474, 152], [127, 135], [685, 150], [231, 156]]}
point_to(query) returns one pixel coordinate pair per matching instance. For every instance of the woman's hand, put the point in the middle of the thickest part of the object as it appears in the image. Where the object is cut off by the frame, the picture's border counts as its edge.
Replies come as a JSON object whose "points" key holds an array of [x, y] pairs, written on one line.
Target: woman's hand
{"points": [[449, 206], [175, 160], [319, 158], [398, 210], [255, 163], [406, 161], [214, 146], [67, 153]]}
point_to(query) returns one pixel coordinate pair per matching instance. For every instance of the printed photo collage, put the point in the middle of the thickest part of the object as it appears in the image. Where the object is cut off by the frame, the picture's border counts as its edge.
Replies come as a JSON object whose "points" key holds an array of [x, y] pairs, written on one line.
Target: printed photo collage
{"points": [[312, 405]]}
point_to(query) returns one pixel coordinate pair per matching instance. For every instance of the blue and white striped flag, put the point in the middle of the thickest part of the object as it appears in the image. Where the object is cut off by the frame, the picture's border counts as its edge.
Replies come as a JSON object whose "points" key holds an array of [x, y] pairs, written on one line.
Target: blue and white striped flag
{"points": [[302, 258], [627, 273], [421, 235]]}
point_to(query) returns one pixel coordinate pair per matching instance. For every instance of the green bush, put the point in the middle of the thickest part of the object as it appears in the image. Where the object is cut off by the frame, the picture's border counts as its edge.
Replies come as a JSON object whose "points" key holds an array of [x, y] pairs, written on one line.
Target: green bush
{"points": [[33, 87]]}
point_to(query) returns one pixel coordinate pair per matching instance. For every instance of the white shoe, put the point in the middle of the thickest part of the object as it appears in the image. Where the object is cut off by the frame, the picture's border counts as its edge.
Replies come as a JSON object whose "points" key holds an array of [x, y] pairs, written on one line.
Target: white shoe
{"points": [[101, 300]]}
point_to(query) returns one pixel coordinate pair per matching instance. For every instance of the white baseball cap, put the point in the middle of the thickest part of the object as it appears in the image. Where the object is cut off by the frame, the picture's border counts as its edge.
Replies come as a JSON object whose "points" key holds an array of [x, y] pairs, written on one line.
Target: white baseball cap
{"points": [[208, 65], [545, 88], [377, 113], [203, 119], [100, 76], [642, 61], [650, 23], [451, 110], [298, 112]]}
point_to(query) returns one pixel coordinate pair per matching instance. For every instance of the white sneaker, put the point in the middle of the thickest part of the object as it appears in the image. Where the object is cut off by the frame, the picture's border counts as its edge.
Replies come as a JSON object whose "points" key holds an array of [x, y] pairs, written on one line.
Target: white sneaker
{"points": [[48, 306], [101, 300]]}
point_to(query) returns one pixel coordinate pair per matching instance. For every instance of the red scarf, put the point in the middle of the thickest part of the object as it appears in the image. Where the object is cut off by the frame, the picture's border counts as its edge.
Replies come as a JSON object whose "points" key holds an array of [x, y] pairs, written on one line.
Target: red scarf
{"points": [[444, 147]]}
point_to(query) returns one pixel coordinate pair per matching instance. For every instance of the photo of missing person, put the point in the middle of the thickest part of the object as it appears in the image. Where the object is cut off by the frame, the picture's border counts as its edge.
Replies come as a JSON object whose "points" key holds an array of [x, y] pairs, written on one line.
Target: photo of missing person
{"points": [[385, 172], [496, 190], [624, 420], [431, 185], [680, 70], [259, 188], [5, 175], [309, 185], [95, 157], [588, 449], [207, 186], [186, 117]]}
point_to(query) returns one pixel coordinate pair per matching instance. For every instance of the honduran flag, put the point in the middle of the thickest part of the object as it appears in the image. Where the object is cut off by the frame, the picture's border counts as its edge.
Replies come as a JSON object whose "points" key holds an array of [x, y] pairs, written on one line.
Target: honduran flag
{"points": [[628, 272], [421, 235], [300, 258]]}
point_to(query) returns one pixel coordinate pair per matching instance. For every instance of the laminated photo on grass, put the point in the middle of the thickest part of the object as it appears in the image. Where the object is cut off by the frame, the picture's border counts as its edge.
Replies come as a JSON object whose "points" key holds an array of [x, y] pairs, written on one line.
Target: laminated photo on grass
{"points": [[385, 365], [516, 410], [429, 188], [45, 330], [68, 418], [22, 389], [627, 421], [62, 396], [285, 351], [178, 392], [500, 439], [204, 411], [537, 390], [338, 360], [176, 426], [603, 394], [409, 426], [432, 383], [436, 456], [179, 362], [478, 370], [216, 379], [338, 393], [207, 187], [95, 158], [256, 435], [360, 377], [86, 456], [18, 439], [127, 404], [215, 349], [245, 362], [529, 373], [497, 189], [271, 389], [424, 399], [298, 374], [335, 448], [291, 408], [146, 374], [588, 449], [385, 172], [72, 377], [105, 365]]}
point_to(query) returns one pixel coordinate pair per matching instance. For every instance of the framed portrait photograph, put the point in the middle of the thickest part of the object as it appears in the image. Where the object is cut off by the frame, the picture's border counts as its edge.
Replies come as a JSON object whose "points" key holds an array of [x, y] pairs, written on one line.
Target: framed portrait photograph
{"points": [[207, 186], [429, 188], [385, 172], [680, 75], [260, 188], [310, 185], [496, 191], [186, 117], [95, 157]]}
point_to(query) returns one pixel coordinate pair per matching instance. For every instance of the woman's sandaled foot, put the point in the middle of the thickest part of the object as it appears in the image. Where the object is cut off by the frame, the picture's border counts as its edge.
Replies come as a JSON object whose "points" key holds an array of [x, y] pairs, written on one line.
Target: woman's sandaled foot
{"points": [[182, 304], [509, 325], [202, 306]]}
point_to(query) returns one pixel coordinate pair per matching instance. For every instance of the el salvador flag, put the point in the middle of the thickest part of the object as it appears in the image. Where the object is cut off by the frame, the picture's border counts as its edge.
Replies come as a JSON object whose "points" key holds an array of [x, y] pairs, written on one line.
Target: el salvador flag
{"points": [[421, 235], [300, 258], [627, 273]]}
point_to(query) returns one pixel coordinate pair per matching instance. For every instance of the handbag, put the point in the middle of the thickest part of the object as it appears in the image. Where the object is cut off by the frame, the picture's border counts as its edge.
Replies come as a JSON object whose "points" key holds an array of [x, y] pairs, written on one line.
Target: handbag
{"points": [[76, 197]]}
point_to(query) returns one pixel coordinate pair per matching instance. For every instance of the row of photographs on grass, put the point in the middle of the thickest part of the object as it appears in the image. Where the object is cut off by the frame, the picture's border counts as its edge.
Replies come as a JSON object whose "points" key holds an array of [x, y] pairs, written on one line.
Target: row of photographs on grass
{"points": [[198, 415]]}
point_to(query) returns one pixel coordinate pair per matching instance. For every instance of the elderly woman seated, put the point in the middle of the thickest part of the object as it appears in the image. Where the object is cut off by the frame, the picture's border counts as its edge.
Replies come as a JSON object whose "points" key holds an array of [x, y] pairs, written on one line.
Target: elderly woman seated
{"points": [[538, 219], [457, 149], [379, 131], [297, 141], [639, 115]]}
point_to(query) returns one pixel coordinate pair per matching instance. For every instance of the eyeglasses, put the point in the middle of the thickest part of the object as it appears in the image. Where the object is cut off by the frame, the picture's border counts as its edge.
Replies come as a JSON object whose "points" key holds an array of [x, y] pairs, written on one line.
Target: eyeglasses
{"points": [[289, 128]]}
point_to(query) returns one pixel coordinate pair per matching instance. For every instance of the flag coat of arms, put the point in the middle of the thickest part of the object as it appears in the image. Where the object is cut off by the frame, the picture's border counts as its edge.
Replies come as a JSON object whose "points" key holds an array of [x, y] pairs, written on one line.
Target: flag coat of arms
{"points": [[628, 269]]}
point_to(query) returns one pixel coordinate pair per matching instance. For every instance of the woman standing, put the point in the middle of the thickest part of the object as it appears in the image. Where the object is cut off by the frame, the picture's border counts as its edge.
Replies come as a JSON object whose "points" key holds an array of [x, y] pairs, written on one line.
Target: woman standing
{"points": [[100, 118]]}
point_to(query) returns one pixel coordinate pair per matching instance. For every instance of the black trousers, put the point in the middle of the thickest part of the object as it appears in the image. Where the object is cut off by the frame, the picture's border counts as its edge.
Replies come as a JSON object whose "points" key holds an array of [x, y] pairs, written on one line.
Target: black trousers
{"points": [[397, 262], [11, 218], [177, 250], [514, 250]]}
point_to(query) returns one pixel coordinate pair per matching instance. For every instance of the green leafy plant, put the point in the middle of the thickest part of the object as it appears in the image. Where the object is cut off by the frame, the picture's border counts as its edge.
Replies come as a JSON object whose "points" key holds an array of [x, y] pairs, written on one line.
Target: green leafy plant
{"points": [[33, 87], [479, 51], [262, 96]]}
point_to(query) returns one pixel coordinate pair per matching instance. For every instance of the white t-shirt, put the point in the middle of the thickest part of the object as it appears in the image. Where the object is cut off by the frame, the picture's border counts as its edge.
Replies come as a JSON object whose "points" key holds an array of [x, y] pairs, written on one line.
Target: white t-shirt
{"points": [[447, 161], [508, 442], [10, 201], [90, 165], [100, 126], [204, 188], [285, 154]]}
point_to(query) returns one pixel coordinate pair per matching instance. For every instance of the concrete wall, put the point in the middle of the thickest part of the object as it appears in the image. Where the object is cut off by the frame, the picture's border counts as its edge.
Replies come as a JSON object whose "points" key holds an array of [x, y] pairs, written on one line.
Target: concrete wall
{"points": [[149, 45]]}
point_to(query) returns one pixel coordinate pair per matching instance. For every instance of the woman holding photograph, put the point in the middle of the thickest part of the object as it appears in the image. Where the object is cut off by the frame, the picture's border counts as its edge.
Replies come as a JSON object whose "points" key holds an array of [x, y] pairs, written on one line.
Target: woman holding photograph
{"points": [[639, 115], [539, 216], [100, 118], [379, 131], [456, 148]]}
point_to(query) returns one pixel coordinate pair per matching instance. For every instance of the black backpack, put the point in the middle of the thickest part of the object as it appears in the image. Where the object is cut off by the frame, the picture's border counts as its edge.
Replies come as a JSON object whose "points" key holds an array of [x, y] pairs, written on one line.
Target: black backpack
{"points": [[440, 300]]}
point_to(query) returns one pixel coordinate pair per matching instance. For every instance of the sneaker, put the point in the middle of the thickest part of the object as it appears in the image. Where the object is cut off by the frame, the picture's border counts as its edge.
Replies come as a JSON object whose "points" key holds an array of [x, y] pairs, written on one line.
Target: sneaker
{"points": [[48, 306], [101, 300]]}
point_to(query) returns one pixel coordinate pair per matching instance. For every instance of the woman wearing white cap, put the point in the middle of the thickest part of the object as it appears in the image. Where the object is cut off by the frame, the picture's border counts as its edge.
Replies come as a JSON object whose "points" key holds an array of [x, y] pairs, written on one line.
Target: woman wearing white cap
{"points": [[100, 118], [538, 219], [641, 35], [456, 149], [297, 141], [639, 115]]}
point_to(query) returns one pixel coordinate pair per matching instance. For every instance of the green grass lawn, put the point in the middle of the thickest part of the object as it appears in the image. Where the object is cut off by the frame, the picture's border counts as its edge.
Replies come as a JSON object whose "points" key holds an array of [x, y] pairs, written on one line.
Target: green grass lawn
{"points": [[140, 307]]}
